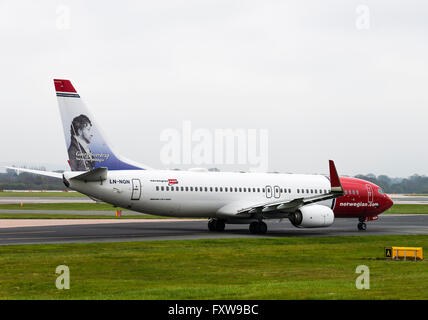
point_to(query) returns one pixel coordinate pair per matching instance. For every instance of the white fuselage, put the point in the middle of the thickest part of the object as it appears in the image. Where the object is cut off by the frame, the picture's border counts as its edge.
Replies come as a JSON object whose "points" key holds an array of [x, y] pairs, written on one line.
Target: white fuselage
{"points": [[198, 194]]}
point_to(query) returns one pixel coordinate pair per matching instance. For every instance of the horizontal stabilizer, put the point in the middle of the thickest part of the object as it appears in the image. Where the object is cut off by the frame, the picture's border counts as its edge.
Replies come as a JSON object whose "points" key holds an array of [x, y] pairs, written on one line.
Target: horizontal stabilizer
{"points": [[98, 174], [39, 172]]}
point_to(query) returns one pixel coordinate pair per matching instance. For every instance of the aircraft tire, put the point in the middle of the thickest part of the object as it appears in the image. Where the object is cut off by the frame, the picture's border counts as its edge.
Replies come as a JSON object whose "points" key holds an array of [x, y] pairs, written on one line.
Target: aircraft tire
{"points": [[362, 226], [220, 225]]}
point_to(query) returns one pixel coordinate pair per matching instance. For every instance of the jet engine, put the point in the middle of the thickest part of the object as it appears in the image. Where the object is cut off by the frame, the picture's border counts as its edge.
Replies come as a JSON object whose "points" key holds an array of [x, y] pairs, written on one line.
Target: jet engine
{"points": [[312, 216]]}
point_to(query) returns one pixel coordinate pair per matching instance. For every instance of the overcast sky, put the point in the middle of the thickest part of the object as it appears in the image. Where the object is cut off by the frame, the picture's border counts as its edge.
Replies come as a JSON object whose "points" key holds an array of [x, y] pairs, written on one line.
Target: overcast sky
{"points": [[325, 82]]}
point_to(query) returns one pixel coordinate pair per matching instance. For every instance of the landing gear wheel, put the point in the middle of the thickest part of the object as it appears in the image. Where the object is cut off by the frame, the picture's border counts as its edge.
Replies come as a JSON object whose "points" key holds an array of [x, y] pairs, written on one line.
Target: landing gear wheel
{"points": [[220, 225], [258, 227], [216, 225], [362, 226], [262, 227], [254, 227], [211, 224]]}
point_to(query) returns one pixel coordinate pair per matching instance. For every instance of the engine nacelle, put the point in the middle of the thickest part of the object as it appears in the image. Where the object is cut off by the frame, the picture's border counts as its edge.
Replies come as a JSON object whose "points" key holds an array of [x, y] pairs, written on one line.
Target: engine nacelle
{"points": [[312, 216]]}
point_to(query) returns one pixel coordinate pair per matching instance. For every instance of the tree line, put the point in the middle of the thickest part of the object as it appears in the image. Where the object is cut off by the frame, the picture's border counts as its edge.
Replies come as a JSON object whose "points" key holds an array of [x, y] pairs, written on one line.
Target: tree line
{"points": [[11, 180]]}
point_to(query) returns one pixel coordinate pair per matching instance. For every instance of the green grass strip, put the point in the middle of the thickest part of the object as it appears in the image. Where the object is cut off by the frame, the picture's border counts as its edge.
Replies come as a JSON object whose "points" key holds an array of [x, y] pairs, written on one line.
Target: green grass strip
{"points": [[408, 209], [267, 268]]}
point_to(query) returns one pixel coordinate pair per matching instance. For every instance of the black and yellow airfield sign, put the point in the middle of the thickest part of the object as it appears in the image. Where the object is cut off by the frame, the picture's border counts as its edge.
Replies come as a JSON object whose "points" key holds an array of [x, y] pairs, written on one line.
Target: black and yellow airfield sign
{"points": [[388, 252], [404, 253]]}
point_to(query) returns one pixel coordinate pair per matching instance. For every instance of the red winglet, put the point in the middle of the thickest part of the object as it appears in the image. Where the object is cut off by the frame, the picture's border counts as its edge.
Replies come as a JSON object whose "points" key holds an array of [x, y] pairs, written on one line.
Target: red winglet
{"points": [[64, 86], [334, 177]]}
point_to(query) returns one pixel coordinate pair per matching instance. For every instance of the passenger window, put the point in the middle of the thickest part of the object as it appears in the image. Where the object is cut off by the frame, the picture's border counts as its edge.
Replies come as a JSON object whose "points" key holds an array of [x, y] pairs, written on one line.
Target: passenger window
{"points": [[162, 188], [240, 189], [353, 191], [289, 190], [258, 189], [157, 188], [182, 188], [172, 188], [357, 192], [167, 188], [221, 189], [298, 190], [216, 189]]}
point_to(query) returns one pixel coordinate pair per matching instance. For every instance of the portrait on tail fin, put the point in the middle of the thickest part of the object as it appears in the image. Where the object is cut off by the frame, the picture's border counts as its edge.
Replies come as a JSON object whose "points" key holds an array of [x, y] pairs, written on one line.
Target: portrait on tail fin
{"points": [[79, 153]]}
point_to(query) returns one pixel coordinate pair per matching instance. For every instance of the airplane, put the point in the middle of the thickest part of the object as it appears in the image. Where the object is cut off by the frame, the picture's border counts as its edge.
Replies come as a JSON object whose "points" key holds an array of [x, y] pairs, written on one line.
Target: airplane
{"points": [[307, 201]]}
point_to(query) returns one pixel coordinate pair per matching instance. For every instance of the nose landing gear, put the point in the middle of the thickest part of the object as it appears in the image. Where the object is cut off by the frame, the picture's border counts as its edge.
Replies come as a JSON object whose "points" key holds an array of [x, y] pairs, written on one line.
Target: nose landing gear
{"points": [[258, 227], [361, 225]]}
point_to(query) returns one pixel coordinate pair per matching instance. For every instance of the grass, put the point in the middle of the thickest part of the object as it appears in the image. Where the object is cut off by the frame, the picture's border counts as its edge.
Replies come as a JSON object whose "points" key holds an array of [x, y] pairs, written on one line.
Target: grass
{"points": [[408, 209], [275, 268], [42, 194]]}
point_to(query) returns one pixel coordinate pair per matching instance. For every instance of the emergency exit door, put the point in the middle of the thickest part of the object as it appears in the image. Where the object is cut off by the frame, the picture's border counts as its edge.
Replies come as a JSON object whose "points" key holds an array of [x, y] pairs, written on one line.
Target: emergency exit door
{"points": [[136, 189]]}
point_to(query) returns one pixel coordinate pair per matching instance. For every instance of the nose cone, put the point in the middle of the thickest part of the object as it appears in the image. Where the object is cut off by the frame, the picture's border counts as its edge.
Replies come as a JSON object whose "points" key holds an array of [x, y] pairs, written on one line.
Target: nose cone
{"points": [[388, 203]]}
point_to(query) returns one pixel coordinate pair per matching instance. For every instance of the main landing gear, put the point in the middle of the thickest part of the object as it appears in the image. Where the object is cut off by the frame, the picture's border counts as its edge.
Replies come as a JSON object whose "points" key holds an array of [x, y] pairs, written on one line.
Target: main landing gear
{"points": [[216, 225], [361, 225], [258, 227]]}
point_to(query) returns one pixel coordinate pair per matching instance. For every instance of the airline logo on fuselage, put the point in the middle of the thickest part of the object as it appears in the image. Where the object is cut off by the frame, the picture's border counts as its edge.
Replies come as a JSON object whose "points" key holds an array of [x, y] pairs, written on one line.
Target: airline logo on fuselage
{"points": [[358, 204], [170, 182]]}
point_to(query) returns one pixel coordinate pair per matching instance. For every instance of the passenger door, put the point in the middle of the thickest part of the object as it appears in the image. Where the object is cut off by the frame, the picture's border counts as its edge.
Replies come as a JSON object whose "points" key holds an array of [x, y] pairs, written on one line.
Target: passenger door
{"points": [[136, 189], [369, 193]]}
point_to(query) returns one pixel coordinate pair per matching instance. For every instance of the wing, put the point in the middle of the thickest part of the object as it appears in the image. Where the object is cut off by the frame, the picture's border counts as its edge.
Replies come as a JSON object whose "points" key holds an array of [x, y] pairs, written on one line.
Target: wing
{"points": [[293, 205]]}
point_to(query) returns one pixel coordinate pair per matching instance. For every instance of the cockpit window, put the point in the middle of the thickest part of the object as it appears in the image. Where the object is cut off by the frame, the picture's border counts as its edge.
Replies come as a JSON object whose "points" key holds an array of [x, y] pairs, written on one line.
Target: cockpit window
{"points": [[380, 191]]}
